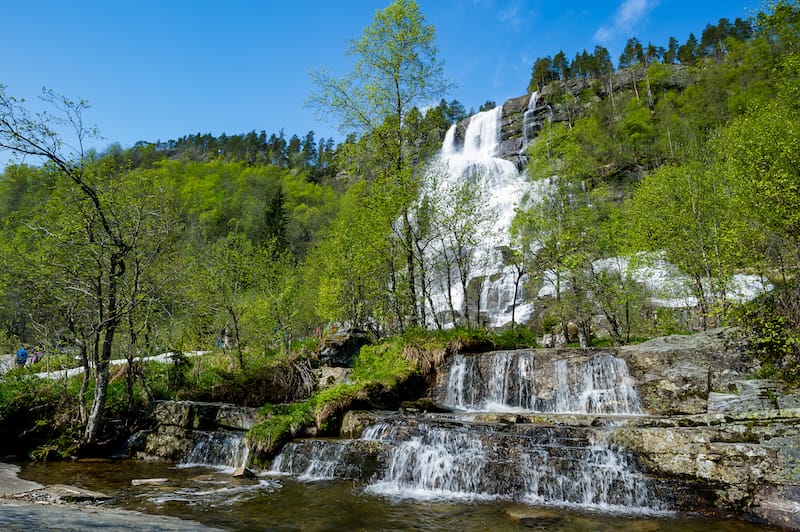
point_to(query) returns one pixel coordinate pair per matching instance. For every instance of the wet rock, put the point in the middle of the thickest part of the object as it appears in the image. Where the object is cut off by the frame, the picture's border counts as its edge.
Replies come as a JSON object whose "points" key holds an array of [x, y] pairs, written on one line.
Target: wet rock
{"points": [[198, 415], [779, 506], [524, 512], [243, 472], [176, 428], [65, 493], [423, 405], [734, 456], [340, 348], [675, 374], [533, 517], [11, 484], [354, 422]]}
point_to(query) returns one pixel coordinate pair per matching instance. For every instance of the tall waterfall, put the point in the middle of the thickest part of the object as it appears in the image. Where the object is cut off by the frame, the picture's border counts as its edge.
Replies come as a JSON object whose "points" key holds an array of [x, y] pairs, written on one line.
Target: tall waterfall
{"points": [[499, 188]]}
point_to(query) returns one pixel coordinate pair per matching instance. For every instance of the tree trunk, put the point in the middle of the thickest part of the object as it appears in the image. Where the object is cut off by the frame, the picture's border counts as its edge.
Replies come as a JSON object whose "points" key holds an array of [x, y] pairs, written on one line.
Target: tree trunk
{"points": [[98, 404], [87, 375], [93, 424]]}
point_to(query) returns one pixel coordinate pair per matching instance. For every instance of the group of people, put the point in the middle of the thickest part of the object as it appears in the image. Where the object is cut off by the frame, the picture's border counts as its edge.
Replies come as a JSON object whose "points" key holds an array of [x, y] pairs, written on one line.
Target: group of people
{"points": [[22, 357]]}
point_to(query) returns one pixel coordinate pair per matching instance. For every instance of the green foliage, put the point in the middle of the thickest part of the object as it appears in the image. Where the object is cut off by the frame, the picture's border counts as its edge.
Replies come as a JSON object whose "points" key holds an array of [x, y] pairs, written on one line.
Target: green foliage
{"points": [[384, 363], [280, 425], [35, 412], [772, 328]]}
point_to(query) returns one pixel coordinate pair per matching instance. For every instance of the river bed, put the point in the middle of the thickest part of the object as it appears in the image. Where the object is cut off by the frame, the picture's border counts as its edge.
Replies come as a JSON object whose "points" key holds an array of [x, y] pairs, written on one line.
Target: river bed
{"points": [[272, 503]]}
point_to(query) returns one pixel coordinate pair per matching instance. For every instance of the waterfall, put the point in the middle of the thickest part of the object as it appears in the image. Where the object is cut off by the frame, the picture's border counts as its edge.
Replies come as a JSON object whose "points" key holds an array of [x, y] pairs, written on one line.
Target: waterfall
{"points": [[499, 187], [431, 463], [225, 450], [590, 476], [535, 464], [600, 386], [527, 124], [510, 381], [453, 456], [311, 460]]}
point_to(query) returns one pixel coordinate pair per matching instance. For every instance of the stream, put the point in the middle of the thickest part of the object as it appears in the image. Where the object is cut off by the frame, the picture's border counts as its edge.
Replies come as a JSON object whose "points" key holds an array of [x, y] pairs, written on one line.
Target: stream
{"points": [[278, 503]]}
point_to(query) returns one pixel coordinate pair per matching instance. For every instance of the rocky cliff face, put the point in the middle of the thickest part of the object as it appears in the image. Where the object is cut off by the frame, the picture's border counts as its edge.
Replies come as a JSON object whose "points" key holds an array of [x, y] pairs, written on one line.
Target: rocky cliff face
{"points": [[523, 117]]}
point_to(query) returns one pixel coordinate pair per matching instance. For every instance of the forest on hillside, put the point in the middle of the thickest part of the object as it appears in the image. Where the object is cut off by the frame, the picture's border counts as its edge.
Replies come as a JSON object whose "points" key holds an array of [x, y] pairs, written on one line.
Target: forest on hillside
{"points": [[686, 153]]}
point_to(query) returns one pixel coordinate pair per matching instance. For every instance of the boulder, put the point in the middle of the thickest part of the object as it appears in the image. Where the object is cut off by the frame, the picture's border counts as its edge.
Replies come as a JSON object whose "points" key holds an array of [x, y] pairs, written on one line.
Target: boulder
{"points": [[243, 472], [675, 374], [197, 415], [175, 428], [329, 376], [340, 348]]}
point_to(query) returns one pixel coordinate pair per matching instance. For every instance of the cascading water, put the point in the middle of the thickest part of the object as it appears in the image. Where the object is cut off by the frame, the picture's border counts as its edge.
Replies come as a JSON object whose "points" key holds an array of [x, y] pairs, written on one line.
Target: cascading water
{"points": [[225, 450], [590, 475], [448, 459], [497, 187], [602, 385], [510, 381], [470, 456], [311, 460], [430, 462]]}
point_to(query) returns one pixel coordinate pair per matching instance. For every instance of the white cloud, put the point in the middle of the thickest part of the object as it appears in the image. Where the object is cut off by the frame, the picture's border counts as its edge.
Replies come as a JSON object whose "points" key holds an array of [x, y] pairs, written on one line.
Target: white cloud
{"points": [[514, 15], [626, 17]]}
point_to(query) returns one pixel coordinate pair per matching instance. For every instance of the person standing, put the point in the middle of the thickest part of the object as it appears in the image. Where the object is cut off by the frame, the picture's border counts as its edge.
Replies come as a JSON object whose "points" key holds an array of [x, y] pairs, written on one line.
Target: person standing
{"points": [[22, 356]]}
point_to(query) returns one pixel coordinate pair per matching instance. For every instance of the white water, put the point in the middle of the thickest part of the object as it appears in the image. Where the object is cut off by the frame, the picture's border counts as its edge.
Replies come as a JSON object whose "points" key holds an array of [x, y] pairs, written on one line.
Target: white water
{"points": [[600, 385], [434, 463], [442, 457], [223, 450], [601, 478], [316, 461], [538, 465], [499, 189]]}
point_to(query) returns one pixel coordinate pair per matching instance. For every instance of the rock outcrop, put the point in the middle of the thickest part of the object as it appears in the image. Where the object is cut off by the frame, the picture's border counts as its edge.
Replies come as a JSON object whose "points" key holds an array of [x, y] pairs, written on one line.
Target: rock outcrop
{"points": [[748, 463], [340, 348], [675, 374], [177, 428]]}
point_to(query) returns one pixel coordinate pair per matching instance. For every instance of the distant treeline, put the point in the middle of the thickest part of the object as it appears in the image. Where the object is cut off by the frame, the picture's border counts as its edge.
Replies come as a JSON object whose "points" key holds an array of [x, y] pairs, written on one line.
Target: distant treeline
{"points": [[306, 154], [599, 63]]}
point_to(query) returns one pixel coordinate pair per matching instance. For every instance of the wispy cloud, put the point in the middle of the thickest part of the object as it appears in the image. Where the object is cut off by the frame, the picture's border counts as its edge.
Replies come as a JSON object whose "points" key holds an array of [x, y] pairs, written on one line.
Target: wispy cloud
{"points": [[513, 15], [626, 17]]}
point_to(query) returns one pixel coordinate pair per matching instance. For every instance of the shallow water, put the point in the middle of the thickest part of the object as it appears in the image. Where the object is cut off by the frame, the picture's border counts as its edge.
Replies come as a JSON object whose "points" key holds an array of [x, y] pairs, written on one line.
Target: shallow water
{"points": [[282, 504]]}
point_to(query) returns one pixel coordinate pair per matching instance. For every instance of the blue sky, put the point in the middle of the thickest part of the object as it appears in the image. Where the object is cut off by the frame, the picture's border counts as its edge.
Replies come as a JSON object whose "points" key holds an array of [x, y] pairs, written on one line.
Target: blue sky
{"points": [[157, 70]]}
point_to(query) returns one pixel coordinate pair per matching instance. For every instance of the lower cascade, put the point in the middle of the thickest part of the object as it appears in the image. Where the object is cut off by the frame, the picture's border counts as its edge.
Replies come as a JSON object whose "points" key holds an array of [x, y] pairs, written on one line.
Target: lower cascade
{"points": [[441, 457], [480, 453]]}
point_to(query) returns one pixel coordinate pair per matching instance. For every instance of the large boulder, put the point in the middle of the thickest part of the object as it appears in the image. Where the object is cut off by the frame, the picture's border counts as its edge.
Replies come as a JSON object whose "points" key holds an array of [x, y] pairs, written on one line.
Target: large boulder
{"points": [[675, 374], [340, 348], [197, 415]]}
